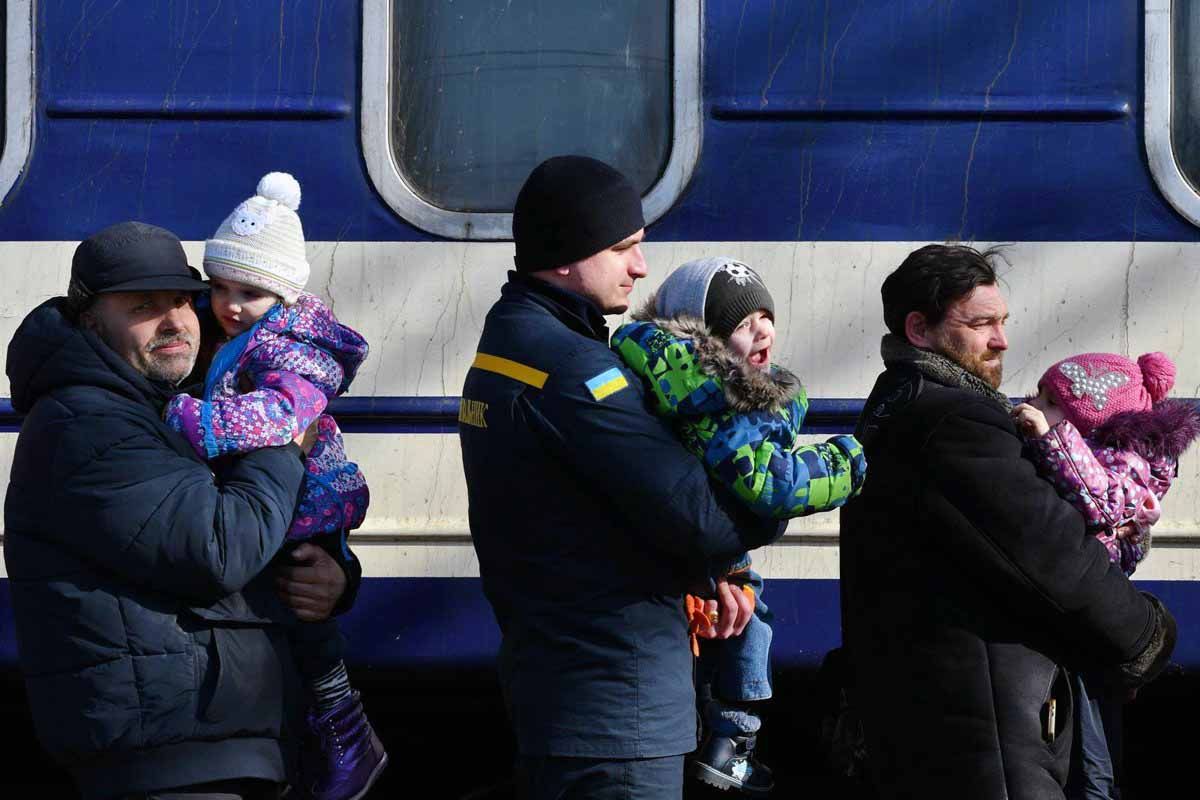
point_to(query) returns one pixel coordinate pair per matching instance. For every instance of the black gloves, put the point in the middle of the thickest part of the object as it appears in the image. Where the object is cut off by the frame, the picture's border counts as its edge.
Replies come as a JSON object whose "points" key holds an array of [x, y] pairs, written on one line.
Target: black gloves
{"points": [[1146, 665]]}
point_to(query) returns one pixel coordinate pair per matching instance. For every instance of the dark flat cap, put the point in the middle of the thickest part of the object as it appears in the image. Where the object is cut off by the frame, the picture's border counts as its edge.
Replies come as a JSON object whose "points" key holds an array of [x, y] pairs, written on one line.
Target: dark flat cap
{"points": [[133, 256]]}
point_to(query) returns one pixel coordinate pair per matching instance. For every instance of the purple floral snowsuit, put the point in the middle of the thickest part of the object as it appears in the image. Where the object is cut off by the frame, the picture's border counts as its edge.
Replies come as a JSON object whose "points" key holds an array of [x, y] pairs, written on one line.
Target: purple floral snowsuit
{"points": [[270, 383], [1111, 487]]}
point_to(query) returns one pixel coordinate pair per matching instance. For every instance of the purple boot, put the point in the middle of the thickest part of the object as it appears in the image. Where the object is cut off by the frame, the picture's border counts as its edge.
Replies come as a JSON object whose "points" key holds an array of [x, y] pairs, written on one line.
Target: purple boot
{"points": [[343, 756]]}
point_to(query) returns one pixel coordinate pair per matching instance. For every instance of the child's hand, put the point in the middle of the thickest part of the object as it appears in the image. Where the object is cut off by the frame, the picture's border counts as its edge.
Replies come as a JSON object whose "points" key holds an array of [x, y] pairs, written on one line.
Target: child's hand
{"points": [[1129, 531], [1030, 421], [307, 438]]}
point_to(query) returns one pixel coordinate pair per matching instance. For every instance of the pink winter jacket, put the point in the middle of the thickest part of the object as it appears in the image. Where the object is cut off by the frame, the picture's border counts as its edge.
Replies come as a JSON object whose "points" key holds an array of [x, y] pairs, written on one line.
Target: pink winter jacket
{"points": [[269, 384], [1118, 476]]}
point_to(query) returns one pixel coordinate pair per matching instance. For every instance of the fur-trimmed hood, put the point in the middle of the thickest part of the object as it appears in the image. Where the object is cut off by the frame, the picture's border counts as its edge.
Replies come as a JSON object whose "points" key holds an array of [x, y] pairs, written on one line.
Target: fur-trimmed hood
{"points": [[712, 362], [1166, 430]]}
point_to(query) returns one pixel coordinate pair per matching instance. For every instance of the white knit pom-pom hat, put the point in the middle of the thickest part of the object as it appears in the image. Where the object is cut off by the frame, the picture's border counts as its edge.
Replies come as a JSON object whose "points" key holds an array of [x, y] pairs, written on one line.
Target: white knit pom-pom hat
{"points": [[262, 243]]}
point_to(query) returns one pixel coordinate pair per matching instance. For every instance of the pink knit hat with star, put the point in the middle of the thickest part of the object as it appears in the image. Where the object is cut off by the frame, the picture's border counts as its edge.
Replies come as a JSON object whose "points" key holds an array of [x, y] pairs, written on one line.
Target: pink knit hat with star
{"points": [[1093, 387]]}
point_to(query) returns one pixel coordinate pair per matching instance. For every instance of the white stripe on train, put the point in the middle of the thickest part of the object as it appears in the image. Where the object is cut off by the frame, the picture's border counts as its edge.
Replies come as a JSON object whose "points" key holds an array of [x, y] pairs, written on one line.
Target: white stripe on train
{"points": [[421, 306]]}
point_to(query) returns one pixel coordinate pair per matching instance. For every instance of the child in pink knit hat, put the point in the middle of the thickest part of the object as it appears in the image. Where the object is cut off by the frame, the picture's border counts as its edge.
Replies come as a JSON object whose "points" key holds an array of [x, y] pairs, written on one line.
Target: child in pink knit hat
{"points": [[1102, 431]]}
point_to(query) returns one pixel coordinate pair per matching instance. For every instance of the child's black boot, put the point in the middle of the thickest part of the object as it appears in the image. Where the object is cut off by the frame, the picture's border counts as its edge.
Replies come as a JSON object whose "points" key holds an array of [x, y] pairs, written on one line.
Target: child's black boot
{"points": [[728, 762]]}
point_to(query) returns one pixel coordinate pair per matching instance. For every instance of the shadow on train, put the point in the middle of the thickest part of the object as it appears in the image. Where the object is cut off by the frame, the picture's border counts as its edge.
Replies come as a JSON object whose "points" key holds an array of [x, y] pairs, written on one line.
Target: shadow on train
{"points": [[447, 738]]}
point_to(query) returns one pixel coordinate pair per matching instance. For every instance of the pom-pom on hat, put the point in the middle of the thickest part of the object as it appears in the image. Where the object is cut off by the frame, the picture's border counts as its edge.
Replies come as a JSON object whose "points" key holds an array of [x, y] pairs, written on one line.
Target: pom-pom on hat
{"points": [[262, 242], [1093, 387], [720, 290]]}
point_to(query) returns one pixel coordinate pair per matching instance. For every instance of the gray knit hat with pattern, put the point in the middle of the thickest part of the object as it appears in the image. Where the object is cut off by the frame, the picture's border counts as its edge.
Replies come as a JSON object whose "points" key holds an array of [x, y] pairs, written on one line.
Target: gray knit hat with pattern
{"points": [[720, 290]]}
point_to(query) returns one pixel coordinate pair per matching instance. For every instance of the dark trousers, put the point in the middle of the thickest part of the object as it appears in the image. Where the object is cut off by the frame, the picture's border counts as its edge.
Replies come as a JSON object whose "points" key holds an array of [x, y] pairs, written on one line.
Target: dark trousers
{"points": [[317, 646], [240, 789], [562, 778]]}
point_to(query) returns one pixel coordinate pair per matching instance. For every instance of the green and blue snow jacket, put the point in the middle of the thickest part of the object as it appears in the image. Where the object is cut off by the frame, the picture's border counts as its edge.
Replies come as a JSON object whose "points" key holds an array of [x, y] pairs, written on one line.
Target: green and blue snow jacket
{"points": [[742, 423]]}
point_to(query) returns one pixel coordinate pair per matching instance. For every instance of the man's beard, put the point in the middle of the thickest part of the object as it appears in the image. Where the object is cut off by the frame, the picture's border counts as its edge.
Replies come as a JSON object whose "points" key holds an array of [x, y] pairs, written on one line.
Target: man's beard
{"points": [[988, 366], [167, 369], [170, 369]]}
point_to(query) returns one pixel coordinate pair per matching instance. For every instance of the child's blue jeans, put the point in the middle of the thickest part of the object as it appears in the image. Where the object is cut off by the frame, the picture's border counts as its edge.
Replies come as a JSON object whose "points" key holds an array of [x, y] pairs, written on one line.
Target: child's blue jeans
{"points": [[738, 671], [1097, 737]]}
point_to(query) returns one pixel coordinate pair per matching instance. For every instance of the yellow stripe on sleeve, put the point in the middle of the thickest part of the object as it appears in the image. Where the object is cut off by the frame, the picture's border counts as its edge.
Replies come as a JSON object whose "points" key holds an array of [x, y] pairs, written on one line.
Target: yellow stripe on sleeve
{"points": [[511, 369]]}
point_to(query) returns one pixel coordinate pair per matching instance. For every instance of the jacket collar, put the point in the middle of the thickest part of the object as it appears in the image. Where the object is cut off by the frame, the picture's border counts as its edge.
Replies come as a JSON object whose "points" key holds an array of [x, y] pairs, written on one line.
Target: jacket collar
{"points": [[937, 368], [573, 310]]}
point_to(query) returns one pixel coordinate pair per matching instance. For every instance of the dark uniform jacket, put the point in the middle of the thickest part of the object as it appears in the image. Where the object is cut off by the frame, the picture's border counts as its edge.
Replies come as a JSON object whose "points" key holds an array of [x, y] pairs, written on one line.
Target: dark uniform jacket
{"points": [[968, 586], [590, 520], [146, 640]]}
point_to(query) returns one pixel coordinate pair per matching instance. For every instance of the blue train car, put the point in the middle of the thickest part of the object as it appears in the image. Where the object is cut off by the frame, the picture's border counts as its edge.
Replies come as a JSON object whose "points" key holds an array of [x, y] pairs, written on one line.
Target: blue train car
{"points": [[818, 141]]}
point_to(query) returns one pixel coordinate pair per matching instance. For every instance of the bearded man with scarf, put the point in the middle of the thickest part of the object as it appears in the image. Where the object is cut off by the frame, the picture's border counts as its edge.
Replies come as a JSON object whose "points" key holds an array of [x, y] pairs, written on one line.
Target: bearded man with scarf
{"points": [[969, 588]]}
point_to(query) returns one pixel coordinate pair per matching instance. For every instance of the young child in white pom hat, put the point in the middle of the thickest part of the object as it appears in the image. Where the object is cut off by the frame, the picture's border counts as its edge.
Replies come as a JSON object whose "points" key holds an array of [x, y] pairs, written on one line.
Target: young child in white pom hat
{"points": [[285, 357]]}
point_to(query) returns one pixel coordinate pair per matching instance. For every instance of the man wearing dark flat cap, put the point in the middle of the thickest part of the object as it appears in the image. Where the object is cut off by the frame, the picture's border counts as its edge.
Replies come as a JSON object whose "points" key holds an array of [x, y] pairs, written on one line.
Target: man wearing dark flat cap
{"points": [[145, 614]]}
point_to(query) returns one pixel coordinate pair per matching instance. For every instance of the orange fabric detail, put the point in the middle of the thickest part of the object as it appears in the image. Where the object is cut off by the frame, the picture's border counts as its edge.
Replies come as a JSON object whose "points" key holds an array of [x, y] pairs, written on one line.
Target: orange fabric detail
{"points": [[697, 620]]}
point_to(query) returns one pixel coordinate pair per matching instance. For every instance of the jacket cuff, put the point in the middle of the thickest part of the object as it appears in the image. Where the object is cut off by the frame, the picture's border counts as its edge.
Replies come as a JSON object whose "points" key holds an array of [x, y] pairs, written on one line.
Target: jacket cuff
{"points": [[1148, 664], [725, 568], [853, 450]]}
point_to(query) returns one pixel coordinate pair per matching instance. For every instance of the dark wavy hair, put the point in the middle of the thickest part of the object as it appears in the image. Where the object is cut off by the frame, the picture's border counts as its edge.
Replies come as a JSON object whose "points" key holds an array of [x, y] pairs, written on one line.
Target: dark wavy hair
{"points": [[931, 278]]}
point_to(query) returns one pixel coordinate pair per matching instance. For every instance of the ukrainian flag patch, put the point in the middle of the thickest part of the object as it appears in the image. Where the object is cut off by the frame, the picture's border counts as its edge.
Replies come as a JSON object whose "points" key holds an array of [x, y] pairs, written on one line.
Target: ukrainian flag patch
{"points": [[606, 383]]}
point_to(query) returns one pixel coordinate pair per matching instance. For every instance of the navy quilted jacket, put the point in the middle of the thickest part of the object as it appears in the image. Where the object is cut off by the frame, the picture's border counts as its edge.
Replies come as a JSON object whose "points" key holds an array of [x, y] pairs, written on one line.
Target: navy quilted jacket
{"points": [[590, 521], [145, 631]]}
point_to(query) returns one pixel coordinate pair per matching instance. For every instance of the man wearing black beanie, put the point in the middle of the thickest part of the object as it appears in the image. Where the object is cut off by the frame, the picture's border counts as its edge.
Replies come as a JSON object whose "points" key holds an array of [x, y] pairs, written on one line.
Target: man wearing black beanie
{"points": [[589, 519]]}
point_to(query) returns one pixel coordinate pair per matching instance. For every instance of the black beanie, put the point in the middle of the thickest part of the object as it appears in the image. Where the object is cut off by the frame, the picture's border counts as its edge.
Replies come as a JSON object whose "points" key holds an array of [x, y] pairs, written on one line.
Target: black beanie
{"points": [[572, 207], [734, 292]]}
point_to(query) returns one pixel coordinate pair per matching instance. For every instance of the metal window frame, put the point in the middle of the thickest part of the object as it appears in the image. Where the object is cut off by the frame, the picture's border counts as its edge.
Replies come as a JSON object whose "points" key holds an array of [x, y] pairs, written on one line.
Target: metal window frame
{"points": [[1160, 151], [18, 100], [388, 178]]}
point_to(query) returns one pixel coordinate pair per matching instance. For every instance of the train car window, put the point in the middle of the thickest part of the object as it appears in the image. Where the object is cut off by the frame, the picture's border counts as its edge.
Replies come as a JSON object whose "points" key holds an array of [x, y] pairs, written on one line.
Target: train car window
{"points": [[16, 89], [3, 77], [462, 98], [1172, 112], [1185, 89]]}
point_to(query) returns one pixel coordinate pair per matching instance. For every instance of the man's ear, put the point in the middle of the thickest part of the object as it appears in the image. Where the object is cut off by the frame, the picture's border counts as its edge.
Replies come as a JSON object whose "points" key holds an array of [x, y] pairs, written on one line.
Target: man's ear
{"points": [[564, 270], [87, 320], [916, 329]]}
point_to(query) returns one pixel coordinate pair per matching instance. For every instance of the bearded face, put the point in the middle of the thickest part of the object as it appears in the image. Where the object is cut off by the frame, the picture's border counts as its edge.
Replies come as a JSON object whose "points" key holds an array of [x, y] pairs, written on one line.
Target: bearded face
{"points": [[987, 365], [972, 334], [155, 332]]}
